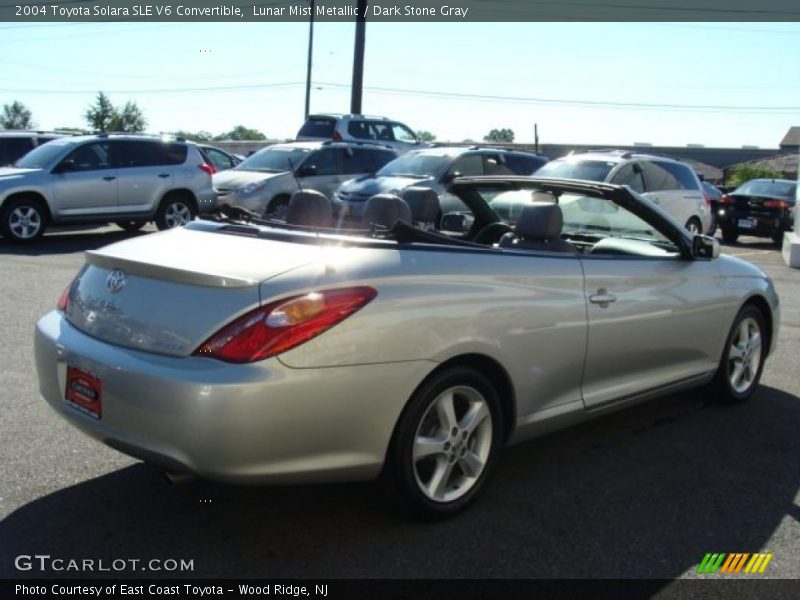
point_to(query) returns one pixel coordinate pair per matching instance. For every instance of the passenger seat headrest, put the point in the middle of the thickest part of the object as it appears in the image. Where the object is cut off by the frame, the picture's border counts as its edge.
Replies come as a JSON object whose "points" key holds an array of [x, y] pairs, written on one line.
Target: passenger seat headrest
{"points": [[540, 221], [309, 207], [385, 210], [423, 202]]}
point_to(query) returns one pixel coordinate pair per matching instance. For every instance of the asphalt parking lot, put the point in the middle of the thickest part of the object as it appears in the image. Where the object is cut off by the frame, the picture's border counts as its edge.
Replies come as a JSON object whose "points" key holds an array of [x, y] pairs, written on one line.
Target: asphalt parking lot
{"points": [[643, 493]]}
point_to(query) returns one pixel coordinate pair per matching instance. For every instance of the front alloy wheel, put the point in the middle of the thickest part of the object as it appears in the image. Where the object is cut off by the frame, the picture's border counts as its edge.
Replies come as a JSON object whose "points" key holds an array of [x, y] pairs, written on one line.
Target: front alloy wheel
{"points": [[743, 359], [446, 442], [23, 220]]}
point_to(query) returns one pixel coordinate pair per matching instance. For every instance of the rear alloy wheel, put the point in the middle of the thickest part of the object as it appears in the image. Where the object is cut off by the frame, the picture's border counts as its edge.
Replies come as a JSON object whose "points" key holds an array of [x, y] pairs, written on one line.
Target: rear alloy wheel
{"points": [[24, 220], [743, 358], [175, 211], [693, 226], [130, 225], [446, 442], [729, 236]]}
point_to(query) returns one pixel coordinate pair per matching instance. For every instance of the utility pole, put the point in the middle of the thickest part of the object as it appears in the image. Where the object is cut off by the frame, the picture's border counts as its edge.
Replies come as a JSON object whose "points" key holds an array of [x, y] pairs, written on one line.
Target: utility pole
{"points": [[536, 137], [358, 58], [310, 53]]}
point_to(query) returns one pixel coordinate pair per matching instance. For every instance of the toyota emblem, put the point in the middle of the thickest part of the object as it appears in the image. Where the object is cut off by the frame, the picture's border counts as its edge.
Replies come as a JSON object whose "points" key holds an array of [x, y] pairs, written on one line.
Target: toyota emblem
{"points": [[116, 280]]}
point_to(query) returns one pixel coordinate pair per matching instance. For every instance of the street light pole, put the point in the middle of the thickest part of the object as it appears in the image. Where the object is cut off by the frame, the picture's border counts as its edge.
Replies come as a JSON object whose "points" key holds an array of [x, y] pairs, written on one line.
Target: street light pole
{"points": [[310, 53], [358, 58]]}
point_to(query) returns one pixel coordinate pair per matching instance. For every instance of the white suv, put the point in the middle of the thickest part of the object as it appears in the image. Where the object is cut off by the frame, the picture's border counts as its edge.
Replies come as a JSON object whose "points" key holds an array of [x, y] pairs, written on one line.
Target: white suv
{"points": [[360, 128], [669, 183], [125, 179]]}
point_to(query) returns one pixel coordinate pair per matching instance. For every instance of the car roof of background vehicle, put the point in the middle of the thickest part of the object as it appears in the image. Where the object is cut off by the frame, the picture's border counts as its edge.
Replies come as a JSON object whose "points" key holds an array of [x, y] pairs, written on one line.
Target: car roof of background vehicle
{"points": [[31, 132], [355, 117], [612, 155]]}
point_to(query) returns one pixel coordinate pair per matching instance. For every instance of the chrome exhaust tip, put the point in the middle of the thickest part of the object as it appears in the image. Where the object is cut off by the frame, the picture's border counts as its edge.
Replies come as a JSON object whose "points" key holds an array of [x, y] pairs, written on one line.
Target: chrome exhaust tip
{"points": [[175, 478]]}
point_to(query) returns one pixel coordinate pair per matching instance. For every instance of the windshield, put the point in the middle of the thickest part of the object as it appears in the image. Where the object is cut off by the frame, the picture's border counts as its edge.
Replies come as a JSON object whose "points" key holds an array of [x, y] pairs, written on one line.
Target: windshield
{"points": [[40, 157], [274, 160], [416, 165], [591, 170], [784, 189]]}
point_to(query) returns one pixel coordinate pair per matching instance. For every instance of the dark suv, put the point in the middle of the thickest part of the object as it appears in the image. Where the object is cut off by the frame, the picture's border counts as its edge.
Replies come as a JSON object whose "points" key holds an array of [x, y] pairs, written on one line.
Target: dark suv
{"points": [[759, 207], [14, 144]]}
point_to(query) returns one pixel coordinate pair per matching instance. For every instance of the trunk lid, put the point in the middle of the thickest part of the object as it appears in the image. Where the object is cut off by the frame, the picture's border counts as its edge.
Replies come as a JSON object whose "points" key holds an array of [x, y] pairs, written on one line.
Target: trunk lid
{"points": [[168, 292]]}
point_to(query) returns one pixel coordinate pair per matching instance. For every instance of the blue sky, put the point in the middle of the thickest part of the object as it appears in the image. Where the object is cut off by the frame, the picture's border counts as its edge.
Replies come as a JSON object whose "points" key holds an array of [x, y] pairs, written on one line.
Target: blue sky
{"points": [[254, 74]]}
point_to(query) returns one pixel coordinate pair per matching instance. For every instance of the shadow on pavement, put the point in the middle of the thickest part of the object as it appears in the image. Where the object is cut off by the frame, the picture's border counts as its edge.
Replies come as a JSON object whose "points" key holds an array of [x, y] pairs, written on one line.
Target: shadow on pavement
{"points": [[643, 493], [67, 241]]}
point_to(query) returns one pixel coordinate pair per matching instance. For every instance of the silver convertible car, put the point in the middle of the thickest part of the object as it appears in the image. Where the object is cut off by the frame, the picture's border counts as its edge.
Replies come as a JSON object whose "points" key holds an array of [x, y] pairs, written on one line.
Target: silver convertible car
{"points": [[412, 348]]}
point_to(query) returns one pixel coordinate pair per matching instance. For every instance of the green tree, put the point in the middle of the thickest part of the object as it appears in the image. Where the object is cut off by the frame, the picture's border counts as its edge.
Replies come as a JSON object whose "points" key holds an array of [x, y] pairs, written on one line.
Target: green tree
{"points": [[16, 116], [499, 135], [426, 136], [738, 174], [101, 115], [195, 136], [130, 119], [240, 132]]}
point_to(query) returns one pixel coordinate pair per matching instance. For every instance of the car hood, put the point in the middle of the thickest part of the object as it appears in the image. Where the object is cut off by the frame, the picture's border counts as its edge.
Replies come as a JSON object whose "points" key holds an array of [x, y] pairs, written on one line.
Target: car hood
{"points": [[233, 179], [369, 186], [10, 173]]}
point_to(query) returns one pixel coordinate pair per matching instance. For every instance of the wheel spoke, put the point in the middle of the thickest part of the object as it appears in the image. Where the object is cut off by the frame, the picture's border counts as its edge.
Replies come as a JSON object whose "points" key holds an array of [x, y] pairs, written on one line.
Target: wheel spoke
{"points": [[427, 446], [736, 352], [736, 376], [446, 411], [437, 486], [744, 332], [476, 414], [471, 464], [755, 341]]}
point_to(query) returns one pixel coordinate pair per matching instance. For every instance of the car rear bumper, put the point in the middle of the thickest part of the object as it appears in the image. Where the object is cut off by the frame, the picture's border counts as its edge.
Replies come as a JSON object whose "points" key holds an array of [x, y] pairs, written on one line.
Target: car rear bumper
{"points": [[261, 422], [762, 225]]}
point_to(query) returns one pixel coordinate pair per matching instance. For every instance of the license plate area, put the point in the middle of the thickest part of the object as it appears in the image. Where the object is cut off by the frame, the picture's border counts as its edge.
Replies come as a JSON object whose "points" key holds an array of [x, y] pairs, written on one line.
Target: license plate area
{"points": [[84, 392], [747, 223]]}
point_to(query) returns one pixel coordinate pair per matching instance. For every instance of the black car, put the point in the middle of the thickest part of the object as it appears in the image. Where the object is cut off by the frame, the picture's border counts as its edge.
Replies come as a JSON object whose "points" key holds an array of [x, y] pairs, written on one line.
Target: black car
{"points": [[14, 144], [712, 194], [759, 207]]}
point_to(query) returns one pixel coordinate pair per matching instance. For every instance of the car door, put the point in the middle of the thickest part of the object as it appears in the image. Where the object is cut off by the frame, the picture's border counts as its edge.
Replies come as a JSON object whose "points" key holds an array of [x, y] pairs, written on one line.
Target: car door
{"points": [[144, 175], [654, 316], [322, 170], [85, 182]]}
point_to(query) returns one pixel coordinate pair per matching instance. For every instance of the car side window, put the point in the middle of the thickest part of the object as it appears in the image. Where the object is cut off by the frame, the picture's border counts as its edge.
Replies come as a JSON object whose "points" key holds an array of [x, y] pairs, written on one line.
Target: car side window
{"points": [[403, 134], [494, 164], [221, 161], [381, 131], [682, 173], [380, 158], [359, 130], [357, 160], [468, 165], [138, 154], [520, 164], [325, 161], [90, 157], [657, 178], [630, 174]]}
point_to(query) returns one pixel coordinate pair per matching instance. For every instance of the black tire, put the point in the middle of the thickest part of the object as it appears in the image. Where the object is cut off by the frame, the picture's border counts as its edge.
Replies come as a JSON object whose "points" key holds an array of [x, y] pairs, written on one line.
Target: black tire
{"points": [[725, 391], [777, 238], [277, 207], [460, 444], [130, 225], [712, 229], [694, 224], [175, 211], [24, 219], [729, 236]]}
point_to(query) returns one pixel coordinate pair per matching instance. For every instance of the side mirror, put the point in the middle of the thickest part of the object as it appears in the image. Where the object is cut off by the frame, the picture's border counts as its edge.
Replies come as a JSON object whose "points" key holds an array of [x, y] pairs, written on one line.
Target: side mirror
{"points": [[65, 166], [457, 222], [448, 177], [306, 171], [705, 247]]}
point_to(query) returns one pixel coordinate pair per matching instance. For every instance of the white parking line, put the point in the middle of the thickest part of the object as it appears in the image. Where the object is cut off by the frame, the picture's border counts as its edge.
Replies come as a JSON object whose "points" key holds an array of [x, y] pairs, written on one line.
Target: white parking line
{"points": [[748, 253]]}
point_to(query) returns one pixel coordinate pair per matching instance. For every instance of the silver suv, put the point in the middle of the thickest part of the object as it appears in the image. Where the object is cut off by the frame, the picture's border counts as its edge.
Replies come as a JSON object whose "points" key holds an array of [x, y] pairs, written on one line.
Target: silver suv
{"points": [[669, 183], [265, 181], [360, 128], [121, 178]]}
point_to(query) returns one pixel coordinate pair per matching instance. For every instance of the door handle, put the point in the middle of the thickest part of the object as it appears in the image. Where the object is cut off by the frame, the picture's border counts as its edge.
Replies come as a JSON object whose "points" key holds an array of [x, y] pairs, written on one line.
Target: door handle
{"points": [[163, 175], [109, 178], [602, 297]]}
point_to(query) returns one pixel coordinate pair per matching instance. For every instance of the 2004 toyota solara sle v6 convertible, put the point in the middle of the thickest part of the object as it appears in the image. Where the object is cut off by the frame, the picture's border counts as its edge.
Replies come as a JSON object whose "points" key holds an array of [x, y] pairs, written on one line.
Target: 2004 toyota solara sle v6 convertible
{"points": [[411, 346]]}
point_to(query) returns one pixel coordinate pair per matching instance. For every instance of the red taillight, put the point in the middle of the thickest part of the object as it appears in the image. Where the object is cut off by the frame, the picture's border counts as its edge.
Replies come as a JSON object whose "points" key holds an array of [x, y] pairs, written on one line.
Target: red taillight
{"points": [[63, 301], [725, 199], [776, 204], [337, 136], [282, 325], [210, 169]]}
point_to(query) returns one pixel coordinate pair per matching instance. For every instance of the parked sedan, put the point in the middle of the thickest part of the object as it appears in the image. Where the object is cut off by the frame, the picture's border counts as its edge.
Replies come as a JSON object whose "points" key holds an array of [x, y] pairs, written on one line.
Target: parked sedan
{"points": [[324, 355], [759, 207]]}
